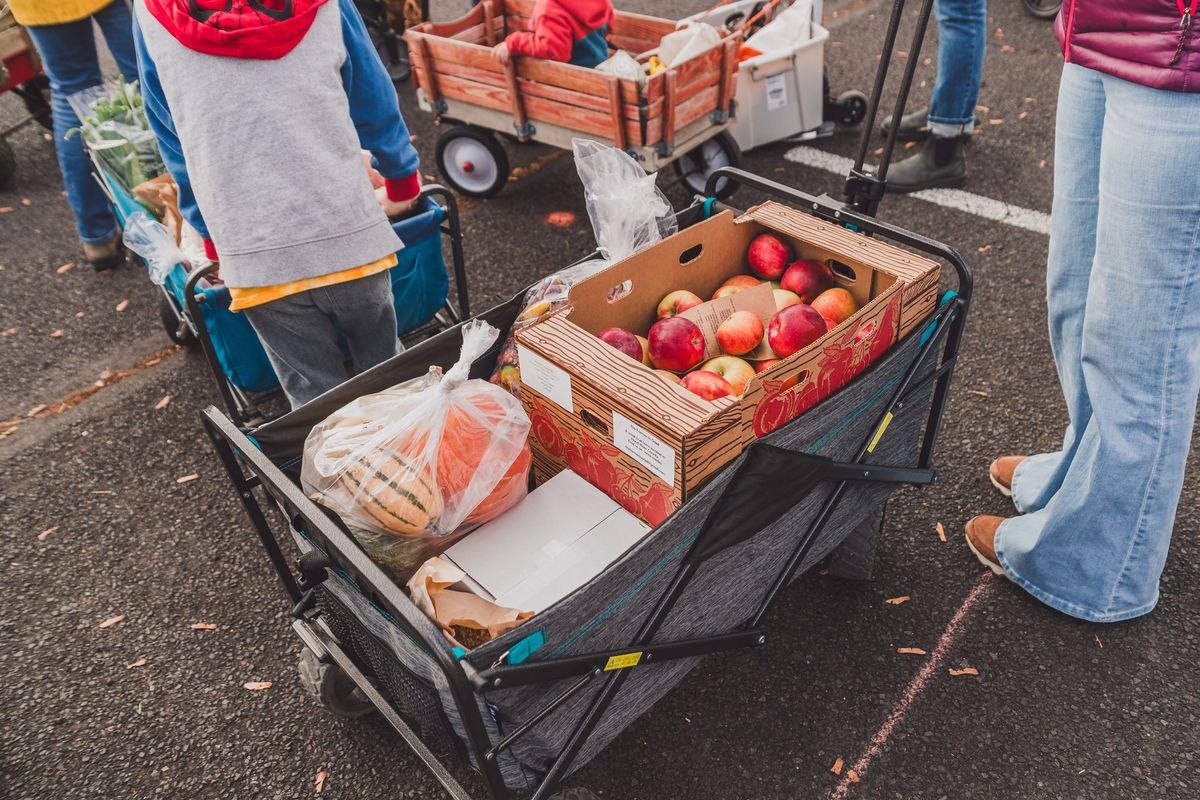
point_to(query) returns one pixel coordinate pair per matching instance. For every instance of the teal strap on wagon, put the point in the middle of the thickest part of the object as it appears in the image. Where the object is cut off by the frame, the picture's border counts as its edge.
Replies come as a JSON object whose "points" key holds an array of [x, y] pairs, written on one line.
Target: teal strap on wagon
{"points": [[708, 206], [526, 647], [932, 326]]}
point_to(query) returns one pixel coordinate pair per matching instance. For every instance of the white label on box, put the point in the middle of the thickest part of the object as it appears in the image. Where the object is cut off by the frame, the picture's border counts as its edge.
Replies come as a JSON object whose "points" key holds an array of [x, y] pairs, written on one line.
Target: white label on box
{"points": [[645, 448], [777, 91], [545, 378]]}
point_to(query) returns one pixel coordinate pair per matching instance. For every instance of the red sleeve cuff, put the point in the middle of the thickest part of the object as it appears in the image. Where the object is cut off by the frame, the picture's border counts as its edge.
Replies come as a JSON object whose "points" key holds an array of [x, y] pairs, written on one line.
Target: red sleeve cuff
{"points": [[210, 250], [401, 189]]}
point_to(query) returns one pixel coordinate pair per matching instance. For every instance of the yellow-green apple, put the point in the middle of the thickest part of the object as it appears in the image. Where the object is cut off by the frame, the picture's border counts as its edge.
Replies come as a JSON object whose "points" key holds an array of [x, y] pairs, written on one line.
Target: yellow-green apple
{"points": [[768, 256], [835, 305], [733, 369], [623, 340], [794, 328], [784, 298], [667, 376], [739, 333], [708, 385], [645, 350], [735, 285], [676, 303], [676, 344], [807, 278]]}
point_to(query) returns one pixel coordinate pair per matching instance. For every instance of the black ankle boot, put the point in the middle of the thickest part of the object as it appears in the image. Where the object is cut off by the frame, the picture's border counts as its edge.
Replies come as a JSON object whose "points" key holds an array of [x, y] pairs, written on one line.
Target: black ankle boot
{"points": [[939, 163]]}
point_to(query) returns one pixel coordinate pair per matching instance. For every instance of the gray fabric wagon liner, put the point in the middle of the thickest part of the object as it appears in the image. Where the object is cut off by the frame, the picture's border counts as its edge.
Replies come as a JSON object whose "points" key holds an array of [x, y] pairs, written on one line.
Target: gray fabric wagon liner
{"points": [[605, 613]]}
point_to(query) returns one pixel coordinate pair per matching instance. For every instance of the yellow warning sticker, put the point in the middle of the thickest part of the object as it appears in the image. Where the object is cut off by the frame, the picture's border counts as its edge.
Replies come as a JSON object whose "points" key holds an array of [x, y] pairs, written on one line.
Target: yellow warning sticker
{"points": [[623, 661], [883, 426]]}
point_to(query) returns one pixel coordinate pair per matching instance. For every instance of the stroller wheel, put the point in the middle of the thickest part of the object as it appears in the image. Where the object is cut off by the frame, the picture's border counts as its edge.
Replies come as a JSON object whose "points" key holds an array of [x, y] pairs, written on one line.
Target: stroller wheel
{"points": [[178, 331], [575, 793], [852, 107], [694, 166], [331, 688], [8, 165]]}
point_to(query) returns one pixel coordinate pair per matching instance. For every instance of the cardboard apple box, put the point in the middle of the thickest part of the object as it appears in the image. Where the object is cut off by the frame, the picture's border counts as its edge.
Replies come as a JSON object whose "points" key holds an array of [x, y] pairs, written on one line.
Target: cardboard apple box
{"points": [[647, 442]]}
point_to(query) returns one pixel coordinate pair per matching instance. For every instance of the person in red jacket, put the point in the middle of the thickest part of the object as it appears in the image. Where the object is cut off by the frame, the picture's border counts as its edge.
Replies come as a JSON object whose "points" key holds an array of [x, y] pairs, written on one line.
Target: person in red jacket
{"points": [[570, 31]]}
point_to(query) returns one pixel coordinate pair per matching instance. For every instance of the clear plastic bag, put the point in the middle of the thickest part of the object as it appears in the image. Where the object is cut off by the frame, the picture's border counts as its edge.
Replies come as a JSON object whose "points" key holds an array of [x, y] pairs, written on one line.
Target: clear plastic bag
{"points": [[687, 42], [789, 30], [628, 213], [623, 65], [115, 128], [423, 460], [151, 240]]}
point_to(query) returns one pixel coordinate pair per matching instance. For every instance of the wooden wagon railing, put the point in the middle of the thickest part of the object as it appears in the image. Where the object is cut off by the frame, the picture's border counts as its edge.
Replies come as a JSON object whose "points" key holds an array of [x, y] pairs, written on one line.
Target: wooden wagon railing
{"points": [[459, 78]]}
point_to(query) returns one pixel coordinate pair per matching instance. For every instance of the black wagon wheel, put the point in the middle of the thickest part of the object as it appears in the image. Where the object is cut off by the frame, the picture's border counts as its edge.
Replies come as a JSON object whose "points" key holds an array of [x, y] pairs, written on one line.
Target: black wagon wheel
{"points": [[8, 165], [472, 161], [852, 105], [35, 94], [332, 688], [1043, 9], [386, 29], [178, 331], [694, 166]]}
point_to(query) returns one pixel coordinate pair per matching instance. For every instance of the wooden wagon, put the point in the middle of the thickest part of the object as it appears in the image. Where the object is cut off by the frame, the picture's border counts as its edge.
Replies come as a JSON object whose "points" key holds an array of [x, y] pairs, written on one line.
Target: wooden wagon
{"points": [[677, 116]]}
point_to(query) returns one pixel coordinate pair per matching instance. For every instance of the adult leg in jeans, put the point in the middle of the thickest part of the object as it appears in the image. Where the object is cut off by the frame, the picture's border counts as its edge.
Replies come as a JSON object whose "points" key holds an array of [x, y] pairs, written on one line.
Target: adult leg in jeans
{"points": [[951, 115], [69, 55], [1097, 548]]}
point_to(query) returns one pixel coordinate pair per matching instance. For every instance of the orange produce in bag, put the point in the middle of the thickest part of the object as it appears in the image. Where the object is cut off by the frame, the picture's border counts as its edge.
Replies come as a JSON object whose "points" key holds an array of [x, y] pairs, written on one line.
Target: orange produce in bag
{"points": [[425, 457]]}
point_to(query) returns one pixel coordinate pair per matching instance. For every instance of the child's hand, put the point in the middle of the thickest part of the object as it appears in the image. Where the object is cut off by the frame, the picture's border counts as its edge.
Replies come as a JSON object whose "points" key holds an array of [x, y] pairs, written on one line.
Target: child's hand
{"points": [[501, 53], [394, 208]]}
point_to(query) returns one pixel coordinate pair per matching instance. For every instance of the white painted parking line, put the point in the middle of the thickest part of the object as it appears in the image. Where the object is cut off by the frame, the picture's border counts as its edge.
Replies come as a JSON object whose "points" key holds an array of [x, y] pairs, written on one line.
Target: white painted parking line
{"points": [[957, 199]]}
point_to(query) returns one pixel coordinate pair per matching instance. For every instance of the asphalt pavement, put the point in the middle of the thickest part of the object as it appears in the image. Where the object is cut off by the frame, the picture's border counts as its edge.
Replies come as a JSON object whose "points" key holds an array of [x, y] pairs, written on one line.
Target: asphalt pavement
{"points": [[96, 525]]}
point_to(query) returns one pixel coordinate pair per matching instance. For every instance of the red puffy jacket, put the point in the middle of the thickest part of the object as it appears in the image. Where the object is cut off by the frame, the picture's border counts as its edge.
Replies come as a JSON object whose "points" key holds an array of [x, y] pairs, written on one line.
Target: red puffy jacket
{"points": [[557, 25], [1152, 42]]}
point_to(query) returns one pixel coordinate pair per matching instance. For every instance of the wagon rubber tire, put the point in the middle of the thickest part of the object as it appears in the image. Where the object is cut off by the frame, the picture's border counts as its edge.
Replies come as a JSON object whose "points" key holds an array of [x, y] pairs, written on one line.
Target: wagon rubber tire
{"points": [[694, 166], [853, 105], [576, 793], [472, 161], [1042, 9], [35, 94], [8, 165], [854, 558], [331, 687], [171, 323]]}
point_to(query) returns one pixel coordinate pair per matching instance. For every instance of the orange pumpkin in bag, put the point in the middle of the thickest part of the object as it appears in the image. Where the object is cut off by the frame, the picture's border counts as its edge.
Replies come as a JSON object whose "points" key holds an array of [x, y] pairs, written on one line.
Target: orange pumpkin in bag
{"points": [[470, 431]]}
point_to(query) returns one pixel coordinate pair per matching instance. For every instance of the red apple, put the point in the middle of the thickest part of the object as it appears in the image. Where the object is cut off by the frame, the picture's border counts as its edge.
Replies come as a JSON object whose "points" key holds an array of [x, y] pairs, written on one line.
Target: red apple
{"points": [[784, 298], [794, 328], [645, 350], [623, 340], [765, 364], [739, 333], [735, 285], [836, 305], [667, 376], [708, 385], [676, 344], [768, 256], [677, 302], [733, 369], [807, 278]]}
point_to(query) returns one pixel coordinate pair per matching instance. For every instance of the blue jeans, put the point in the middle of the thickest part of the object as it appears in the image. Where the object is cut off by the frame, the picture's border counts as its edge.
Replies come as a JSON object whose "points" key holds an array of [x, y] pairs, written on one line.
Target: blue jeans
{"points": [[962, 25], [69, 55], [1123, 283]]}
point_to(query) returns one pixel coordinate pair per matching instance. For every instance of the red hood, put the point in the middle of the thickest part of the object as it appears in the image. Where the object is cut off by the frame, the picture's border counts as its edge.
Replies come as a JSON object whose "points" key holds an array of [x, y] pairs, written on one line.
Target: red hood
{"points": [[265, 29]]}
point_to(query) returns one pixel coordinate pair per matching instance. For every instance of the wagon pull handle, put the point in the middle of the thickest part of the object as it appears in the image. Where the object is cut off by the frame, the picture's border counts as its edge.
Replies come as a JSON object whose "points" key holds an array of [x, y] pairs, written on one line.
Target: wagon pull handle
{"points": [[770, 482]]}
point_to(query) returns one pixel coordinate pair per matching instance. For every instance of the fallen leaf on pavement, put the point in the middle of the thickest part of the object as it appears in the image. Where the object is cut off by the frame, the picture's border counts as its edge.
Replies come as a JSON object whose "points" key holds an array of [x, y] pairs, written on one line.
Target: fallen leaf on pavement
{"points": [[188, 478], [141, 662], [322, 776], [33, 412], [204, 626], [941, 531], [78, 315], [954, 673], [560, 219], [1042, 164], [982, 109], [995, 122], [983, 248], [853, 776], [895, 601], [161, 404], [56, 333], [1008, 48], [42, 536], [999, 33], [108, 623], [12, 330], [6, 209], [910, 651], [25, 201], [67, 267], [121, 306], [1030, 99], [878, 151], [980, 393], [927, 61], [1023, 115], [255, 686], [836, 769], [1098, 642]]}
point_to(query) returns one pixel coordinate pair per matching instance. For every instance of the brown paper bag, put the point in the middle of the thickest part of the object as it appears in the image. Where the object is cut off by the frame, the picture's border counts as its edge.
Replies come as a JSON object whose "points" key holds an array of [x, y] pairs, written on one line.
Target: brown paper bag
{"points": [[467, 619], [162, 195]]}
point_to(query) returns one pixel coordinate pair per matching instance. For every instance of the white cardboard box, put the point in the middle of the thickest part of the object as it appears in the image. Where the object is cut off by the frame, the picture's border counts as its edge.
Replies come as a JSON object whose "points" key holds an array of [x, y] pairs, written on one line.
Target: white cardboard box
{"points": [[557, 539]]}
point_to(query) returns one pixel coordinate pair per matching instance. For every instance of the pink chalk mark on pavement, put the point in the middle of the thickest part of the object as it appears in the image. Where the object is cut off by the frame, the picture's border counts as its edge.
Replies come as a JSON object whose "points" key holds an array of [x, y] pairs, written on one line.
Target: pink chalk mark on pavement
{"points": [[949, 636]]}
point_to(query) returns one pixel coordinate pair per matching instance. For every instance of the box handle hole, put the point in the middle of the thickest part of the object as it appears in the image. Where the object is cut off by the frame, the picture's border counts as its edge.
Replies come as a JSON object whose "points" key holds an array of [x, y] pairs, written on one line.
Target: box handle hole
{"points": [[592, 421], [620, 291], [691, 254], [843, 270]]}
